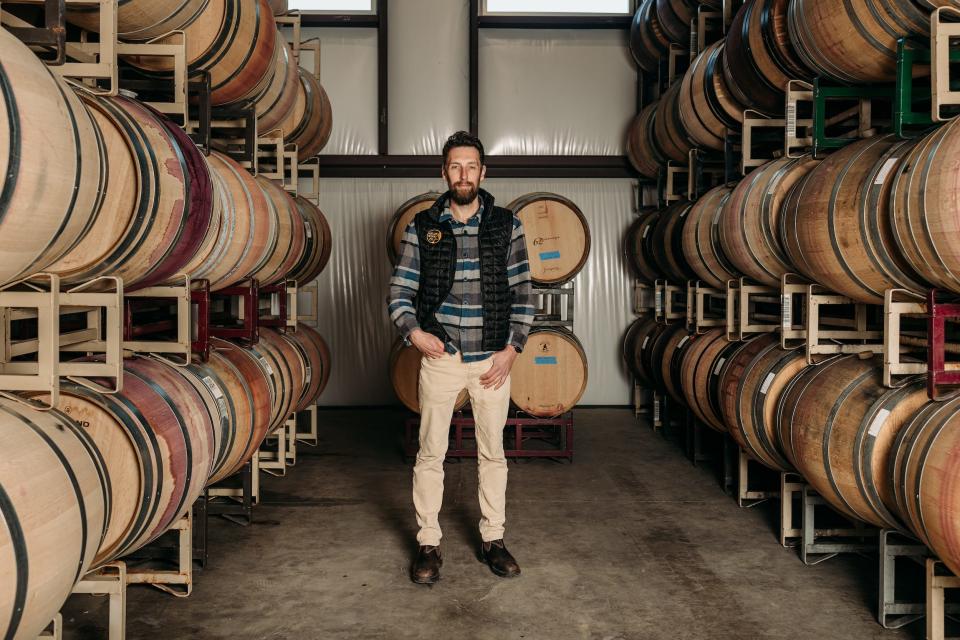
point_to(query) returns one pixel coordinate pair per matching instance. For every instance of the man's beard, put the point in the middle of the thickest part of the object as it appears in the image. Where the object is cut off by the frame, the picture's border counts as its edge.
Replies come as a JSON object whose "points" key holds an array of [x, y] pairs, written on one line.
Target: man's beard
{"points": [[463, 197]]}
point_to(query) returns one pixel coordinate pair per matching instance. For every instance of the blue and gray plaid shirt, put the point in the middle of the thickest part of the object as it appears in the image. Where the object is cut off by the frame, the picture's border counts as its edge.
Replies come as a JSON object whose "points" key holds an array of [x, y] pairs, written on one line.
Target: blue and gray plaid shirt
{"points": [[461, 314]]}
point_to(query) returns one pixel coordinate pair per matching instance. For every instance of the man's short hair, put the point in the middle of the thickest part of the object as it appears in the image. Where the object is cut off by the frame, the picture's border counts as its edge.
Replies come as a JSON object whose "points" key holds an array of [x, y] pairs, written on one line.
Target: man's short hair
{"points": [[463, 139]]}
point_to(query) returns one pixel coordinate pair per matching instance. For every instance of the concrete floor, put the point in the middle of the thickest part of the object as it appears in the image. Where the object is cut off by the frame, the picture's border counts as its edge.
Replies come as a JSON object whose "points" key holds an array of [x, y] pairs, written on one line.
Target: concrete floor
{"points": [[629, 542]]}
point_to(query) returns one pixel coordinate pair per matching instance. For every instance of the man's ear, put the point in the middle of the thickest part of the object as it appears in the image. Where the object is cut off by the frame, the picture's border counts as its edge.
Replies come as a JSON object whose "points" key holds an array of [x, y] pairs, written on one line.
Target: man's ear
{"points": [[483, 173]]}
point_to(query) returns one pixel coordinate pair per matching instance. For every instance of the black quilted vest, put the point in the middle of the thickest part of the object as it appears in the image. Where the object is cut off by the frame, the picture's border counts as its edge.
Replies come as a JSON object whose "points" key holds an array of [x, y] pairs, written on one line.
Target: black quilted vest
{"points": [[438, 266]]}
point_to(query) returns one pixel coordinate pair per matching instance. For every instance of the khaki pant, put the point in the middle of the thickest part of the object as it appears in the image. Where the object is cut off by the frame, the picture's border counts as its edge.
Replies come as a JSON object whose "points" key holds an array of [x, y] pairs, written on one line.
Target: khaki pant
{"points": [[441, 381]]}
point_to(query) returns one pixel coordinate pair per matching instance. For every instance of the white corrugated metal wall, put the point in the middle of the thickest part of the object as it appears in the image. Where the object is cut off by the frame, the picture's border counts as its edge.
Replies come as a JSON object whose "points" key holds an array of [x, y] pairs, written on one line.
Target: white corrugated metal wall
{"points": [[541, 93]]}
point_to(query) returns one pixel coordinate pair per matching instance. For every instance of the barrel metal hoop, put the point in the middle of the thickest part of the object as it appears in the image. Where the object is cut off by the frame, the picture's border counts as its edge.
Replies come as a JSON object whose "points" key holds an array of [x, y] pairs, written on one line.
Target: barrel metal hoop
{"points": [[828, 430], [217, 50], [21, 560], [105, 485], [759, 414], [15, 144], [925, 454], [71, 476], [932, 147]]}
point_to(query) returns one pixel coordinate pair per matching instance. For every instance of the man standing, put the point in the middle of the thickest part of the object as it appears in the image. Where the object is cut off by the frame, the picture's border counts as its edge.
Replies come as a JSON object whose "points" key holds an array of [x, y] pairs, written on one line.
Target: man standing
{"points": [[461, 295]]}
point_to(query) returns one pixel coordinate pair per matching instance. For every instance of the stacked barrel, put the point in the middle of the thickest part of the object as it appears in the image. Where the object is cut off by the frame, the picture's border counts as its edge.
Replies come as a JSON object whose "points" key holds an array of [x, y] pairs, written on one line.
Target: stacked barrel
{"points": [[550, 375], [106, 186], [876, 215]]}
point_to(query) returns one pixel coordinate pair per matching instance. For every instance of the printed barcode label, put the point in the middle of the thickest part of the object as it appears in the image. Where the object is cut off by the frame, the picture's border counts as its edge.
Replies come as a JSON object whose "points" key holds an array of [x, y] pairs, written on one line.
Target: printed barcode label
{"points": [[716, 369], [308, 374], [222, 403], [213, 386], [766, 383], [658, 302], [266, 365], [694, 37], [656, 410], [792, 120], [309, 230], [885, 170], [878, 421], [786, 303]]}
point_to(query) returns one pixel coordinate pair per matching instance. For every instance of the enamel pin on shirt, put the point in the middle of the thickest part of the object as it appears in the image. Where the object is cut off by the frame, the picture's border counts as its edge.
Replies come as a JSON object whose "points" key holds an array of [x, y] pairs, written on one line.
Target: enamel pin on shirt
{"points": [[434, 236]]}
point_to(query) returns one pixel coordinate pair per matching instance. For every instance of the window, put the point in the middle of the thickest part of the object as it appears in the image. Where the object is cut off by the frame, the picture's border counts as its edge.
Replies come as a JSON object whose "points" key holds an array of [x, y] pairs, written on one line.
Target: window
{"points": [[332, 6], [555, 7]]}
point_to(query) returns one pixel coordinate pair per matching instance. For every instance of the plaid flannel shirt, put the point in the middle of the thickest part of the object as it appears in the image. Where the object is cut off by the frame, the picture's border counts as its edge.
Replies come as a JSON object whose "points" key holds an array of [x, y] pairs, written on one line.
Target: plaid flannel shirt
{"points": [[461, 314]]}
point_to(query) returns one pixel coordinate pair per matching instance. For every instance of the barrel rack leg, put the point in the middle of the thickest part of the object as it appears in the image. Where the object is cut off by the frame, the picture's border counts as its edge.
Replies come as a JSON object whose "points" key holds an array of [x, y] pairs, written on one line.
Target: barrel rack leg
{"points": [[894, 613], [109, 580], [179, 582], [309, 437], [821, 544], [274, 461], [54, 629], [791, 498], [236, 504], [748, 497], [937, 583], [291, 457]]}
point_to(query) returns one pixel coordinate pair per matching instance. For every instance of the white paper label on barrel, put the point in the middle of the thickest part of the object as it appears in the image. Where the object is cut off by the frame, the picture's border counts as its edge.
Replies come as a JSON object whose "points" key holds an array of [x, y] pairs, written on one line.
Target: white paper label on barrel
{"points": [[792, 119], [683, 341], [645, 342], [646, 232], [308, 373], [658, 301], [786, 301], [885, 170], [266, 365], [766, 383], [716, 369], [213, 386], [656, 410], [878, 422], [306, 226]]}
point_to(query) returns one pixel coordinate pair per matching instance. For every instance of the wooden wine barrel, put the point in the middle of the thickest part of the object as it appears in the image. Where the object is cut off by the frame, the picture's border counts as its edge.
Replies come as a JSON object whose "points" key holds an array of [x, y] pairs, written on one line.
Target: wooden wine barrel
{"points": [[54, 507], [51, 174], [221, 405], [254, 377], [843, 425], [159, 195], [290, 236], [671, 363], [550, 376], [310, 122], [404, 369], [668, 243], [758, 59], [316, 356], [924, 208], [856, 40], [751, 220], [706, 107], [836, 226], [668, 131], [282, 368], [243, 242], [675, 17], [158, 445], [701, 239], [280, 95], [239, 404], [233, 40], [700, 376], [648, 42], [655, 353], [752, 382], [924, 478], [317, 243], [635, 344], [641, 146], [638, 245], [403, 217], [141, 19], [557, 234]]}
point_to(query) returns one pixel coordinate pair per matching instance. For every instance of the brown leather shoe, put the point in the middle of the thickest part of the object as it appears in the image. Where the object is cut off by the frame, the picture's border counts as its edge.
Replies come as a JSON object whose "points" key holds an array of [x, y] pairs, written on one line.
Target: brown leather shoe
{"points": [[499, 560], [426, 568]]}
